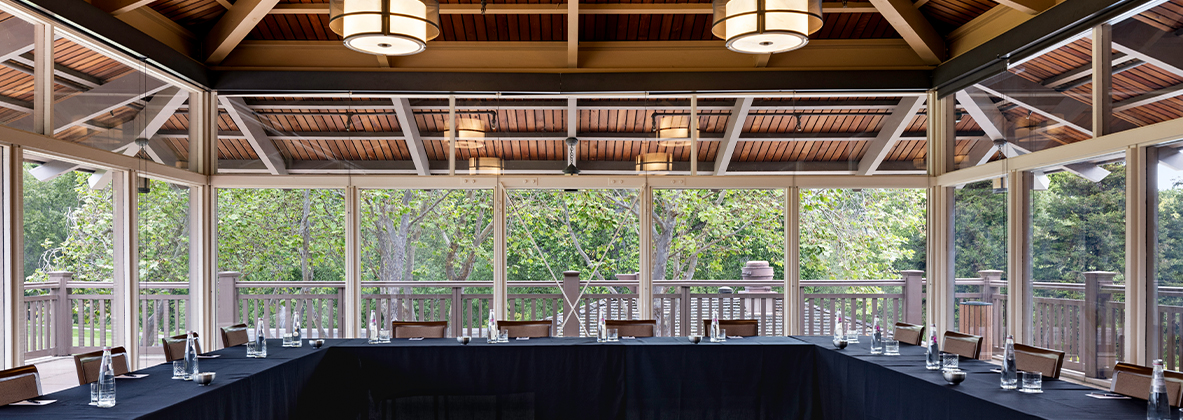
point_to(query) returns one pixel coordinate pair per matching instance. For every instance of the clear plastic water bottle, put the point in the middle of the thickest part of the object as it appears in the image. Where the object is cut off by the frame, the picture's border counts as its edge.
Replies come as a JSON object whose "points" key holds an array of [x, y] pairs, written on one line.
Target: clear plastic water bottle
{"points": [[372, 329], [932, 354], [260, 339], [601, 331], [715, 326], [838, 333], [1158, 407], [296, 331], [877, 338], [1010, 373], [191, 369], [106, 380], [493, 331]]}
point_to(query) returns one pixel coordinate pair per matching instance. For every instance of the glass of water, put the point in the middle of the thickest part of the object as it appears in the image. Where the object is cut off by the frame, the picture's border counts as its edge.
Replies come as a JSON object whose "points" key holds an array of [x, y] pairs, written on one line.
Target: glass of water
{"points": [[1032, 382], [503, 336], [891, 347], [851, 335], [178, 369], [252, 349], [949, 361], [613, 334], [383, 335], [287, 339], [94, 393]]}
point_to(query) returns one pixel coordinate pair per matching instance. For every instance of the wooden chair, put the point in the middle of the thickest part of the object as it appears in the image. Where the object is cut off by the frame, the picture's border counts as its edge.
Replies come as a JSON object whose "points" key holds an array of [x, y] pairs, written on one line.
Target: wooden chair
{"points": [[1038, 359], [174, 347], [735, 327], [234, 335], [87, 364], [965, 345], [1134, 380], [909, 333], [425, 329], [633, 327], [19, 384], [531, 329]]}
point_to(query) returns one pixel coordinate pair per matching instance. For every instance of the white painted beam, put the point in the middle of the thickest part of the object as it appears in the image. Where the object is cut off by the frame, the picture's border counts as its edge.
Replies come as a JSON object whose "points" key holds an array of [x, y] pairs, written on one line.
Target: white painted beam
{"points": [[731, 133], [1148, 98], [81, 108], [1043, 101], [981, 108], [1149, 44], [889, 134], [406, 121], [255, 134]]}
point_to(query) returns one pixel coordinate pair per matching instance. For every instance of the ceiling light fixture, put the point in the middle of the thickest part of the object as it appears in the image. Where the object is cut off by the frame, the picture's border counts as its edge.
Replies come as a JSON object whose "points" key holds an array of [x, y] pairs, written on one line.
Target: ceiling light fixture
{"points": [[673, 131], [766, 26], [470, 133], [659, 162], [385, 27], [572, 150], [484, 166]]}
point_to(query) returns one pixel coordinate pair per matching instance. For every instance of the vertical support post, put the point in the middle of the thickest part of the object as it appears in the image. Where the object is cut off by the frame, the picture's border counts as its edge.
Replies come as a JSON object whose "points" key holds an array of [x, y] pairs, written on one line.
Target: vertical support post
{"points": [[451, 136], [794, 318], [684, 310], [203, 263], [203, 132], [645, 277], [456, 315], [570, 305], [11, 297], [914, 295], [994, 324], [352, 292], [1102, 78], [43, 79], [1018, 250], [62, 314], [942, 276], [500, 289], [1099, 338], [126, 281], [1143, 336], [693, 135]]}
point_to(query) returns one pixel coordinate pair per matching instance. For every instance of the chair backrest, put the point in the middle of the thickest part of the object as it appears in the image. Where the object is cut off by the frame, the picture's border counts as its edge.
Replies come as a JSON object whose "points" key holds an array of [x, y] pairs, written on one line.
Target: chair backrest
{"points": [[425, 329], [87, 364], [531, 329], [174, 347], [909, 333], [234, 335], [735, 327], [19, 384], [965, 345], [1134, 381], [633, 327], [1038, 359]]}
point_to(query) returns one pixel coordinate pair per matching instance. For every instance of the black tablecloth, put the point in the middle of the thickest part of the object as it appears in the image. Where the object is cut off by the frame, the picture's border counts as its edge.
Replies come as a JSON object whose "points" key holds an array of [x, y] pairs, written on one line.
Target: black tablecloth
{"points": [[576, 378], [853, 384]]}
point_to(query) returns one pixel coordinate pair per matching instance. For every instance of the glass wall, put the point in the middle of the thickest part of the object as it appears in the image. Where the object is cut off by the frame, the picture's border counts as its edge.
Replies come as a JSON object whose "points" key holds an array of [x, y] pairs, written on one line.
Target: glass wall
{"points": [[441, 237], [164, 269], [288, 250], [979, 305], [1169, 259], [1147, 70], [1078, 260], [718, 251], [16, 82], [592, 232], [861, 255]]}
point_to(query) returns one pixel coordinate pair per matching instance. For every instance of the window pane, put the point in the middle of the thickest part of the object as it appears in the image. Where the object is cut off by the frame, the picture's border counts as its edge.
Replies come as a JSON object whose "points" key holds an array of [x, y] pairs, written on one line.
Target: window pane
{"points": [[859, 250], [164, 269], [17, 93], [980, 303], [1169, 276], [1147, 71]]}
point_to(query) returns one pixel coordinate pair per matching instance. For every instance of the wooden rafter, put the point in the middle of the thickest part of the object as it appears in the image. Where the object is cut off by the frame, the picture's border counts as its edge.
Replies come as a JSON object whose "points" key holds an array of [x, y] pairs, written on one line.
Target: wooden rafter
{"points": [[889, 134], [1031, 7], [914, 28], [234, 26], [573, 34], [119, 7], [731, 133]]}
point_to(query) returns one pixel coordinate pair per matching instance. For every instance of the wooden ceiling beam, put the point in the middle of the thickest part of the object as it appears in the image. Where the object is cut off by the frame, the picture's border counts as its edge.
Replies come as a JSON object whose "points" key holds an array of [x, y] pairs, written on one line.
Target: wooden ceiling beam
{"points": [[119, 7], [406, 121], [255, 134], [1031, 7], [573, 34], [234, 26], [889, 134], [393, 167], [914, 28], [731, 134], [561, 9]]}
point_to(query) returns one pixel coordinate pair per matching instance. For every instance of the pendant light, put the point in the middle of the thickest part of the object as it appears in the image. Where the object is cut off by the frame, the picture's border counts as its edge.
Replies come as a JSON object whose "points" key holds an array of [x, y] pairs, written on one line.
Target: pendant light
{"points": [[673, 131], [470, 133], [655, 162], [385, 27], [484, 166], [572, 149], [766, 26]]}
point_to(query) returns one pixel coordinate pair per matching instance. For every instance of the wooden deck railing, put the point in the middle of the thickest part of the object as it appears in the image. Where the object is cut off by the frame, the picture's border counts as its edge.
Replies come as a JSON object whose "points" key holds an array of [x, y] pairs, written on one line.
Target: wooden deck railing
{"points": [[65, 317]]}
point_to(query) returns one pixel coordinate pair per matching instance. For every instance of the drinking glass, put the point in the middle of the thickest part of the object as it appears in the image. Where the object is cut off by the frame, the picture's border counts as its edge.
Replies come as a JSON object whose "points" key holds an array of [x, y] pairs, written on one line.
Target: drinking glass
{"points": [[613, 335], [503, 336], [891, 347], [178, 369], [949, 361], [252, 349], [384, 335], [1032, 382], [287, 339], [851, 336], [94, 393]]}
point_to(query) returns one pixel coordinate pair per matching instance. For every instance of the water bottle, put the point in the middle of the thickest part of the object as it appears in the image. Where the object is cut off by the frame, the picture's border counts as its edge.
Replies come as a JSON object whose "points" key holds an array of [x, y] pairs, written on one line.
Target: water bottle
{"points": [[1010, 373], [296, 333], [1158, 407], [107, 380], [877, 338], [838, 334], [601, 331], [260, 339], [190, 358], [492, 327], [715, 333], [932, 354], [372, 330]]}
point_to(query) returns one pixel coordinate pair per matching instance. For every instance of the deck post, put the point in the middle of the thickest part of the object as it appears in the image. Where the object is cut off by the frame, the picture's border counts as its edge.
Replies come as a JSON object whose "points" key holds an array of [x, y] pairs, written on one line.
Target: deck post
{"points": [[684, 310], [989, 277], [456, 314], [570, 304], [227, 301], [63, 342], [913, 296], [1100, 329]]}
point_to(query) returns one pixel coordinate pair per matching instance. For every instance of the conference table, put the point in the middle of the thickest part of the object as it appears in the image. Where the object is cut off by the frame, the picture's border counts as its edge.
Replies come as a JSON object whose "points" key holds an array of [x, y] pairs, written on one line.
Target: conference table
{"points": [[578, 378]]}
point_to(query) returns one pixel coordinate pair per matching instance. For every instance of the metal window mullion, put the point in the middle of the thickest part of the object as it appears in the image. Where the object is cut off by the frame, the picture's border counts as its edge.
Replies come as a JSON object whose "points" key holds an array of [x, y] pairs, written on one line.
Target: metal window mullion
{"points": [[1143, 338], [12, 215], [645, 279], [126, 274], [352, 289], [793, 311]]}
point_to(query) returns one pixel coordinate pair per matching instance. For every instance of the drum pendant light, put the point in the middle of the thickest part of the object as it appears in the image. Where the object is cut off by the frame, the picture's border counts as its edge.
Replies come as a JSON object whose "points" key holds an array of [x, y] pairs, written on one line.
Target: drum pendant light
{"points": [[385, 27], [766, 26]]}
